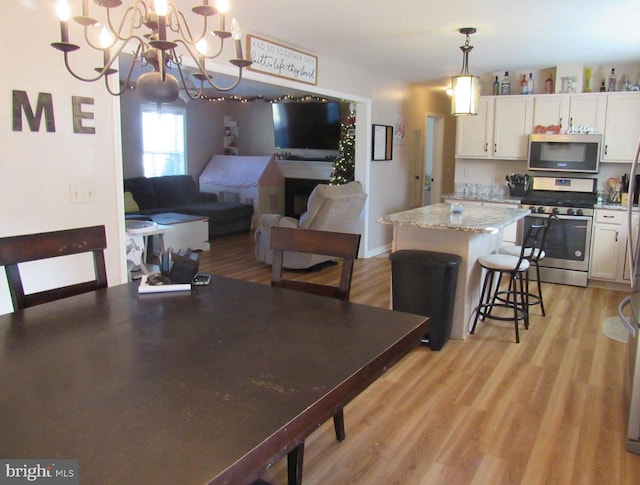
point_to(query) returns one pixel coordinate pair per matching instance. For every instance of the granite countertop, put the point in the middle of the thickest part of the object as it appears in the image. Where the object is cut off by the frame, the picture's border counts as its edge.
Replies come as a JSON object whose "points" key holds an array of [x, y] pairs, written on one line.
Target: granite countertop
{"points": [[480, 197], [481, 219]]}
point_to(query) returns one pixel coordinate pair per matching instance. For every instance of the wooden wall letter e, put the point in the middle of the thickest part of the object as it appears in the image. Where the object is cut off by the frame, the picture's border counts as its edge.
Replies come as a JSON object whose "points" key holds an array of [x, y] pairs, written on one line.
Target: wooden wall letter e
{"points": [[21, 104], [79, 115]]}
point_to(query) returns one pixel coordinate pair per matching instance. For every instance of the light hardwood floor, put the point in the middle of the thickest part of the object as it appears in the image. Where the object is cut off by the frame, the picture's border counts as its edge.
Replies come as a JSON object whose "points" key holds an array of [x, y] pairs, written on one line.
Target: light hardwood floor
{"points": [[480, 411]]}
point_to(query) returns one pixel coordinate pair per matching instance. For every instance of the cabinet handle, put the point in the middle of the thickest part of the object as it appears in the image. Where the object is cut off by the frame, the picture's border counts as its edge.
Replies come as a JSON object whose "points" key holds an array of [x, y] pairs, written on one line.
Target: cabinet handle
{"points": [[605, 149], [608, 217], [570, 122], [560, 123], [486, 147], [616, 236], [495, 148]]}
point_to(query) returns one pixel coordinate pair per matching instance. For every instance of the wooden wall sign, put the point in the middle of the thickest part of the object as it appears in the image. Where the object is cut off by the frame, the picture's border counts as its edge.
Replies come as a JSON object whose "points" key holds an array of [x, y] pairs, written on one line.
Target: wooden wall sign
{"points": [[281, 61]]}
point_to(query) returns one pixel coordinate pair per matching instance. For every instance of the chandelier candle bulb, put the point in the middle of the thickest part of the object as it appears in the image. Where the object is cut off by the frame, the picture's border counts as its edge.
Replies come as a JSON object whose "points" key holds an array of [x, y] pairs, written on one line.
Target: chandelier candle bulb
{"points": [[105, 41], [63, 11], [223, 6], [162, 7], [237, 35]]}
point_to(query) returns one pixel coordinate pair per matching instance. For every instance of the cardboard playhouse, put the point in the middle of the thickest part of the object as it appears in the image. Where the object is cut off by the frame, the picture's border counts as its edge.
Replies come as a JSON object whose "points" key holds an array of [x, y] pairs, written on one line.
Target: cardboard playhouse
{"points": [[254, 180]]}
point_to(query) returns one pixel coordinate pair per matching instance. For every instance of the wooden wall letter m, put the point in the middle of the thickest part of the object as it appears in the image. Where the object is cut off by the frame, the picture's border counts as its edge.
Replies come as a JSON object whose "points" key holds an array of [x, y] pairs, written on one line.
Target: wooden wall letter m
{"points": [[44, 106]]}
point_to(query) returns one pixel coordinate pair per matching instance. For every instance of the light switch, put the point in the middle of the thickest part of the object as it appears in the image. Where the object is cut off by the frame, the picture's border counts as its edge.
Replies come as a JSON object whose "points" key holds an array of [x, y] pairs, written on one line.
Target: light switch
{"points": [[82, 193]]}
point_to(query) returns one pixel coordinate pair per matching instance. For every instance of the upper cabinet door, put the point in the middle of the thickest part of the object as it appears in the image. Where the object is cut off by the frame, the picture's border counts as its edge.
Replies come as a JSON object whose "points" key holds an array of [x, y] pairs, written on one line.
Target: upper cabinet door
{"points": [[622, 127], [549, 109], [587, 110], [474, 133], [511, 127]]}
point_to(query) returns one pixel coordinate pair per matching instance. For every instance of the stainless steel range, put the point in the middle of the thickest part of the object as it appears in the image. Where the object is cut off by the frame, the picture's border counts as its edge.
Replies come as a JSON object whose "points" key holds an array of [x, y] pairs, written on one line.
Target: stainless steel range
{"points": [[569, 239]]}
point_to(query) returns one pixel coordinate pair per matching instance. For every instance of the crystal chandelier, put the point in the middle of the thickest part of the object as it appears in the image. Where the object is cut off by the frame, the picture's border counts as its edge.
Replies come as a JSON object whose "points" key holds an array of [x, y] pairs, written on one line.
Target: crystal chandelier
{"points": [[145, 28], [465, 87]]}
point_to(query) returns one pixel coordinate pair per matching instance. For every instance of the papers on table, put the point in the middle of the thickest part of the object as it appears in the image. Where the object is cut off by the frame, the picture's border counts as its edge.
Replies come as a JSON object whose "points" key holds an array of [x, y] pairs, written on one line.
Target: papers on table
{"points": [[145, 287]]}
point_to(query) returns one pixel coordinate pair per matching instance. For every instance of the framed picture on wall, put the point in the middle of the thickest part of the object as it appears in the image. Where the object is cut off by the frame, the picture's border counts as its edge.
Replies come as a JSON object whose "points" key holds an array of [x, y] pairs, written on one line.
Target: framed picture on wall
{"points": [[382, 148]]}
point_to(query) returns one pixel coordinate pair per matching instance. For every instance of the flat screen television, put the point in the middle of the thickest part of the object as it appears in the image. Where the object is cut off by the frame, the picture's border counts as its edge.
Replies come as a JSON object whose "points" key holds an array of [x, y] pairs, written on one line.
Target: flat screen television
{"points": [[311, 125]]}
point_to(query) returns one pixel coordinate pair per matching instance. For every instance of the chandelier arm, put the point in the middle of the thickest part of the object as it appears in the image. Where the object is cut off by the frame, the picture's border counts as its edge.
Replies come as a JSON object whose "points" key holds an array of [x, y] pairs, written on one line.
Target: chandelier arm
{"points": [[196, 55], [133, 10], [198, 94], [224, 89], [88, 41], [184, 30], [205, 74], [127, 81], [104, 70]]}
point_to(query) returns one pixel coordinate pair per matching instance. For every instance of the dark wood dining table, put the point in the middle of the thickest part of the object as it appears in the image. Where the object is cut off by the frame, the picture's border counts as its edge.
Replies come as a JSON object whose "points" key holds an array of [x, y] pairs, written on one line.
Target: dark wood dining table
{"points": [[211, 385]]}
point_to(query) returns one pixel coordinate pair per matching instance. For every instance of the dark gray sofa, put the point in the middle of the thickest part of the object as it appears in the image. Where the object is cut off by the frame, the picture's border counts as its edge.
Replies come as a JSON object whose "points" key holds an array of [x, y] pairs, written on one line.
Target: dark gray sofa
{"points": [[179, 193]]}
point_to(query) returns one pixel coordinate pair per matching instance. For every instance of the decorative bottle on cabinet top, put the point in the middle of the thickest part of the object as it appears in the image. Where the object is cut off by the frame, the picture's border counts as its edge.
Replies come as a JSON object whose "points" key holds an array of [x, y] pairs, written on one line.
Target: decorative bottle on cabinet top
{"points": [[496, 86], [523, 85], [530, 84], [611, 85], [505, 85]]}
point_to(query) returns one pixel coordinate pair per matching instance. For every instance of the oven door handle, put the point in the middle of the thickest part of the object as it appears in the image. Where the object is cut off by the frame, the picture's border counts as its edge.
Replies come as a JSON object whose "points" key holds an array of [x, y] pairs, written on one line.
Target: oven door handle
{"points": [[628, 325], [559, 216]]}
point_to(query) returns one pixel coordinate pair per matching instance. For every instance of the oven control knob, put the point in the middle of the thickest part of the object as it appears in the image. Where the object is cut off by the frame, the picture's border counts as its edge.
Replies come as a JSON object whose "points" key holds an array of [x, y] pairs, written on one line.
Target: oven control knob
{"points": [[532, 208], [580, 212], [555, 211], [570, 212], [540, 210]]}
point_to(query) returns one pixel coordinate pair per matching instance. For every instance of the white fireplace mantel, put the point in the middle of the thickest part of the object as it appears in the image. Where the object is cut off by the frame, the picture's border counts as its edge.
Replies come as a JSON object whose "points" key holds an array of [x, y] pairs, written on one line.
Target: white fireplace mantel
{"points": [[297, 169]]}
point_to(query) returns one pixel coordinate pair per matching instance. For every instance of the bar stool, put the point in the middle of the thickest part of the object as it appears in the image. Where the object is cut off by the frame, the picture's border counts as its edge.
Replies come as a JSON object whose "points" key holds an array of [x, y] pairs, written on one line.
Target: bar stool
{"points": [[534, 258], [516, 296]]}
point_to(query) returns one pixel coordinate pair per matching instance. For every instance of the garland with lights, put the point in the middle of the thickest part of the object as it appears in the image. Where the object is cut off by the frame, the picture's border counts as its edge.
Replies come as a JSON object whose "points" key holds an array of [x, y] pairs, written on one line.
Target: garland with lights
{"points": [[344, 164], [250, 99]]}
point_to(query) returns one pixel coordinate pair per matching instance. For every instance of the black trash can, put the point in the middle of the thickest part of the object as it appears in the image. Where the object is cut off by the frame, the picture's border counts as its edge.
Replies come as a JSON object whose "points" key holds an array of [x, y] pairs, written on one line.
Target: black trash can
{"points": [[424, 283]]}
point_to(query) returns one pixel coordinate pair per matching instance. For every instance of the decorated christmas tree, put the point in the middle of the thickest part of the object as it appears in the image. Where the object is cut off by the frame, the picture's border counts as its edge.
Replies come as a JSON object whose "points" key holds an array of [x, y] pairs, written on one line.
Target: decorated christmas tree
{"points": [[344, 164]]}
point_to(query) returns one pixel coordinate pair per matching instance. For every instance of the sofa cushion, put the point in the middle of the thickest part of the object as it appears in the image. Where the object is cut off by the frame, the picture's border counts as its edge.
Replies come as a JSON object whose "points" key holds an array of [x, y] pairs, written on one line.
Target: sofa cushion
{"points": [[175, 190], [217, 212], [142, 191]]}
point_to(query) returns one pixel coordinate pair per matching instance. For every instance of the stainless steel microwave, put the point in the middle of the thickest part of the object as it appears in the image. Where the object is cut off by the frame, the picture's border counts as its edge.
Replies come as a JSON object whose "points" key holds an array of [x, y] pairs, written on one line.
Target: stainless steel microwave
{"points": [[564, 153]]}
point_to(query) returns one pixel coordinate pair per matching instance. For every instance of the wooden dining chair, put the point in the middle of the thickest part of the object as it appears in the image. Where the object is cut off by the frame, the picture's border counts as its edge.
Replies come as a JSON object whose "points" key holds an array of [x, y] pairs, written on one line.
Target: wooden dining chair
{"points": [[31, 247], [336, 245]]}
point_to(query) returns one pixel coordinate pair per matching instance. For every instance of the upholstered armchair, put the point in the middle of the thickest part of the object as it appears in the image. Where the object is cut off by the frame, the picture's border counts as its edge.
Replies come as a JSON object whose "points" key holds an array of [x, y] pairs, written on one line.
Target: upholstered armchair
{"points": [[333, 208]]}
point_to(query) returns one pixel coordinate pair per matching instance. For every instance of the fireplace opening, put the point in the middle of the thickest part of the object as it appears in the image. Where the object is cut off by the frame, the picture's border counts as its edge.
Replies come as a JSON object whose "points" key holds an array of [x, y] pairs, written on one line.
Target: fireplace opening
{"points": [[296, 195]]}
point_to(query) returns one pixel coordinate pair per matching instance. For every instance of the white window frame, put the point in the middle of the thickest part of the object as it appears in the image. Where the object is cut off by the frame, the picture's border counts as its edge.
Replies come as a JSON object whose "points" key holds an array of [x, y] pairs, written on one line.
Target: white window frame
{"points": [[158, 167]]}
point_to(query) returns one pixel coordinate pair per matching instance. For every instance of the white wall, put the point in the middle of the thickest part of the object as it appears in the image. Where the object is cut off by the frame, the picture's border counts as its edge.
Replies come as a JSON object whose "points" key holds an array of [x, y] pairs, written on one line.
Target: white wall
{"points": [[38, 168]]}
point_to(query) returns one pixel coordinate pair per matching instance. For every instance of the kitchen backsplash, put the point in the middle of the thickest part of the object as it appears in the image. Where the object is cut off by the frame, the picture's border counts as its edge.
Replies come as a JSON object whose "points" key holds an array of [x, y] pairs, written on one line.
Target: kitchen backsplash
{"points": [[491, 173], [489, 191]]}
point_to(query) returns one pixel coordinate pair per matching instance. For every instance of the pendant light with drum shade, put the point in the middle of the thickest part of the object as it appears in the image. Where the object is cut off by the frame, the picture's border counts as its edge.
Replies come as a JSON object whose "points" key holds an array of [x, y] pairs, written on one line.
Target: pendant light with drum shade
{"points": [[465, 87]]}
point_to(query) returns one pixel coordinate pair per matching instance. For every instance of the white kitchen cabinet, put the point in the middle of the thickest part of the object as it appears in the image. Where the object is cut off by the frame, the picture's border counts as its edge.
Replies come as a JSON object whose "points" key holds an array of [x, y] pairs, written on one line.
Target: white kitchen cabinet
{"points": [[622, 127], [511, 127], [500, 130], [475, 133], [609, 245], [549, 110], [634, 237], [570, 110]]}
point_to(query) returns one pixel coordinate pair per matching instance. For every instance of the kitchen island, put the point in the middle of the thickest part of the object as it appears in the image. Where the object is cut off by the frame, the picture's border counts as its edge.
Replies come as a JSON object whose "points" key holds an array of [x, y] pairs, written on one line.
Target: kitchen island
{"points": [[470, 234]]}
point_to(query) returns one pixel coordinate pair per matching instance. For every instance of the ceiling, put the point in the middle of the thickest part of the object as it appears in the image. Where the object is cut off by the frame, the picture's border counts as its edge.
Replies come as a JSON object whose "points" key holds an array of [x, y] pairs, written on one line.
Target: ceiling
{"points": [[417, 41]]}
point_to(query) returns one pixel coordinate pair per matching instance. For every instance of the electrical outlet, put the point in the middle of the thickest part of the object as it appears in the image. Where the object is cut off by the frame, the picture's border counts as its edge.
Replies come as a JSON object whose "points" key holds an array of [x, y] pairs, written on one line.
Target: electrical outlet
{"points": [[82, 193], [466, 173]]}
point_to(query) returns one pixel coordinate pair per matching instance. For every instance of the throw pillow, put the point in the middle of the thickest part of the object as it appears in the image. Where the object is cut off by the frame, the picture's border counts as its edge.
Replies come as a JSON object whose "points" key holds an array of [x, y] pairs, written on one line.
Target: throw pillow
{"points": [[130, 204]]}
